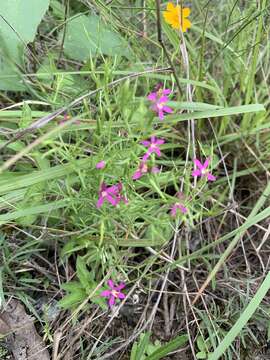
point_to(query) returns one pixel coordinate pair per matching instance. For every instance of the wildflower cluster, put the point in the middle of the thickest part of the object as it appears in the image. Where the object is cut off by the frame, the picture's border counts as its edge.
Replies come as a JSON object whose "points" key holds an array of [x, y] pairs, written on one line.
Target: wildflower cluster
{"points": [[159, 98], [113, 194]]}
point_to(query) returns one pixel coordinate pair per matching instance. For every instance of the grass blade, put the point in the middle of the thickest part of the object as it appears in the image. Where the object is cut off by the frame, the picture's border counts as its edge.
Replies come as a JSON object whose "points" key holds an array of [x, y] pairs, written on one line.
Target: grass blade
{"points": [[244, 318], [164, 350]]}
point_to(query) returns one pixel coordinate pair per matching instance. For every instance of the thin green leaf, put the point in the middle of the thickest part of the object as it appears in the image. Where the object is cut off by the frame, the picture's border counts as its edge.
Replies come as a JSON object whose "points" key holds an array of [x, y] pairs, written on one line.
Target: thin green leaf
{"points": [[242, 321], [164, 350]]}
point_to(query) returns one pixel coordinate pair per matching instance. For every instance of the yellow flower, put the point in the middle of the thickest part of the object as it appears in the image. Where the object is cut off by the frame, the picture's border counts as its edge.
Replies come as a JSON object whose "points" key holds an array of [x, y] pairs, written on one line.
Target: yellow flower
{"points": [[177, 17]]}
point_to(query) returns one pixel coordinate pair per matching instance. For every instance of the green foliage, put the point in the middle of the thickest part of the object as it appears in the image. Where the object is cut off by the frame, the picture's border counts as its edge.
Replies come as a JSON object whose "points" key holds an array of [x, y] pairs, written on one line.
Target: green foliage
{"points": [[88, 36], [203, 349], [49, 194], [144, 349], [16, 31], [82, 290]]}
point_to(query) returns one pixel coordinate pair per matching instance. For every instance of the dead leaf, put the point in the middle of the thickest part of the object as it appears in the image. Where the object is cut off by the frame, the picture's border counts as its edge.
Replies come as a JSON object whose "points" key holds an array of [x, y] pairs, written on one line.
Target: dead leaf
{"points": [[21, 336]]}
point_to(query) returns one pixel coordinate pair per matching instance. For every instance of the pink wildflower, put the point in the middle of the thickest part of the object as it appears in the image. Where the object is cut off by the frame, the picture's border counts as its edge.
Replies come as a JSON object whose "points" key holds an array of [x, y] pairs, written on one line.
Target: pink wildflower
{"points": [[153, 147], [120, 197], [179, 206], [111, 194], [101, 164], [159, 99], [144, 169], [114, 292], [201, 170]]}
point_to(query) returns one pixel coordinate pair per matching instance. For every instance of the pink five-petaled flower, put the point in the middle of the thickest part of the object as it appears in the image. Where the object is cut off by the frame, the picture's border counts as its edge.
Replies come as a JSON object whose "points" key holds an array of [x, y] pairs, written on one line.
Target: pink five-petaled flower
{"points": [[153, 147], [144, 169], [179, 206], [111, 194], [159, 99], [201, 170], [114, 292], [101, 164], [120, 197]]}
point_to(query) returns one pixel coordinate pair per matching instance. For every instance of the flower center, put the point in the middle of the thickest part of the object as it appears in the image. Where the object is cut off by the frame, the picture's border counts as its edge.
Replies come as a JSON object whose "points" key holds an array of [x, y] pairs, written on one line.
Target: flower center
{"points": [[144, 168], [115, 293], [153, 146], [160, 105], [204, 171], [104, 193]]}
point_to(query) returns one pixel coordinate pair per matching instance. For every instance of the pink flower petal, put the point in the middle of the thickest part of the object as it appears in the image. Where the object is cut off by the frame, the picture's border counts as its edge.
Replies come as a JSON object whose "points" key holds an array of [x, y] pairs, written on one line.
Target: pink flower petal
{"points": [[196, 173], [152, 96], [157, 151], [160, 141], [166, 91], [120, 286], [167, 109], [112, 200], [100, 202], [211, 177], [183, 209], [145, 143], [114, 189], [105, 293], [103, 187], [155, 170], [111, 301], [173, 210], [124, 199], [146, 155], [206, 163], [100, 165], [137, 175], [154, 108], [111, 284], [160, 114], [198, 164], [121, 296], [163, 99]]}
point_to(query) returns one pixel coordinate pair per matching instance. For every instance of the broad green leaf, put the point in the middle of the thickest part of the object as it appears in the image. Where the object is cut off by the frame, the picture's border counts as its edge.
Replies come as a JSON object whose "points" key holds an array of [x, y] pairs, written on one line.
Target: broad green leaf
{"points": [[200, 343], [74, 298], [201, 355], [88, 36], [9, 76], [82, 273], [18, 23], [164, 350], [72, 286], [19, 20], [144, 341]]}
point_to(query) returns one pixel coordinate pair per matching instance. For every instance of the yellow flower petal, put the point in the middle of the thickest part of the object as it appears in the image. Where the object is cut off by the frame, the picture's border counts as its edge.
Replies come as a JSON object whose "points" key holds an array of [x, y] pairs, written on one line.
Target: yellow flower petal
{"points": [[174, 16], [186, 25], [186, 12], [168, 17], [170, 7]]}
